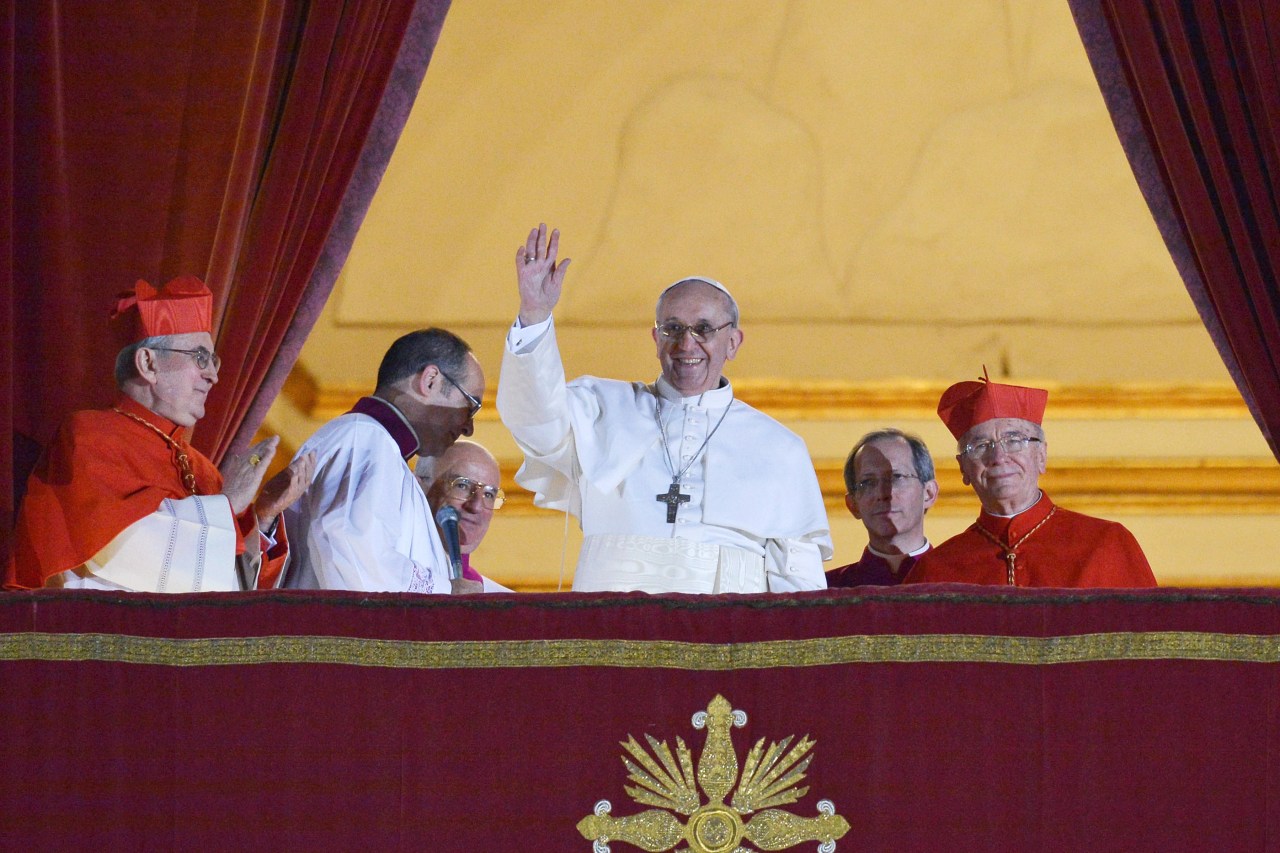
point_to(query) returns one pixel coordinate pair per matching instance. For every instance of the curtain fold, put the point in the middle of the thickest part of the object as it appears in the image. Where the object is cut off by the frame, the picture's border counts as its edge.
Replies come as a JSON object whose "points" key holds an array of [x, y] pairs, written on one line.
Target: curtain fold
{"points": [[356, 76], [1193, 87], [8, 371], [153, 139]]}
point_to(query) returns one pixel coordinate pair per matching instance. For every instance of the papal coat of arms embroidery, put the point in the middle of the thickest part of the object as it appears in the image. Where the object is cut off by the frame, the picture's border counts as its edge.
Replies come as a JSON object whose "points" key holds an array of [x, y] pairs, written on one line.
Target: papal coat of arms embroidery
{"points": [[770, 778]]}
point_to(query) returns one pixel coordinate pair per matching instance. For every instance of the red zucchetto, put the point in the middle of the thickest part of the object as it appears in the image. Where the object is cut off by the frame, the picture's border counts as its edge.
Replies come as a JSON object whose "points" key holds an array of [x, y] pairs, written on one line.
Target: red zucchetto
{"points": [[967, 404], [183, 305]]}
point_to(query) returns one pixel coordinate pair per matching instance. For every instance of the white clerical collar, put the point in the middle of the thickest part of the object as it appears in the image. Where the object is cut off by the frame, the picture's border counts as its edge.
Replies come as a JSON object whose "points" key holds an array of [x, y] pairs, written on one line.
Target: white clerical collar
{"points": [[714, 398], [1039, 495], [916, 553]]}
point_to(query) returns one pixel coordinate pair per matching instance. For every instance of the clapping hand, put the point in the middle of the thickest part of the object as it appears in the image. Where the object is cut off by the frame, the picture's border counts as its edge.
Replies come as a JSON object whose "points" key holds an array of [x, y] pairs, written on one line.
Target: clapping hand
{"points": [[242, 474], [284, 488]]}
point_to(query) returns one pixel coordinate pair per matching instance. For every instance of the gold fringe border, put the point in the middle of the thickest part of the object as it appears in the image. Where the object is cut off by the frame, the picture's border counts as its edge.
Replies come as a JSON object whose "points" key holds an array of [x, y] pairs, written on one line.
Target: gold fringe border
{"points": [[643, 654]]}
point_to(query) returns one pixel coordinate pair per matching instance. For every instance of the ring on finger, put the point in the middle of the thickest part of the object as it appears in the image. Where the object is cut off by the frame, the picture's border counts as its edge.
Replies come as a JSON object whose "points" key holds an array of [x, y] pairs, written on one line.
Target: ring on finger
{"points": [[254, 459]]}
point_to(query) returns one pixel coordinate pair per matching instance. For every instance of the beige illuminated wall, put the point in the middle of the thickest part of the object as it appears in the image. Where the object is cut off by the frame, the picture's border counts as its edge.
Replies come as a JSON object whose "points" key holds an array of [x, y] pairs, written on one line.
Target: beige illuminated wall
{"points": [[896, 193]]}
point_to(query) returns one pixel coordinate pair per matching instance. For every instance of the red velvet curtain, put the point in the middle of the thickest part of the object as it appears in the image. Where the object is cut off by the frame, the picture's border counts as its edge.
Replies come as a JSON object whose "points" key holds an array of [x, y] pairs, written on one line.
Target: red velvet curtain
{"points": [[1193, 87], [8, 367], [240, 140], [943, 718]]}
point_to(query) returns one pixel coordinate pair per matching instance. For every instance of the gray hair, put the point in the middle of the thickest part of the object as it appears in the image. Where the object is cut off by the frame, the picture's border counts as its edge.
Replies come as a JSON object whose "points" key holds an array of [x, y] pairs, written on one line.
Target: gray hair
{"points": [[126, 370], [919, 455]]}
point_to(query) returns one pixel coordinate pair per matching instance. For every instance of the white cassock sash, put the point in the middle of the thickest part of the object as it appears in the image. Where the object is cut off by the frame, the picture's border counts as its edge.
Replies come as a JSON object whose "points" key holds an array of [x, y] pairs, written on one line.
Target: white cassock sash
{"points": [[611, 562], [186, 545]]}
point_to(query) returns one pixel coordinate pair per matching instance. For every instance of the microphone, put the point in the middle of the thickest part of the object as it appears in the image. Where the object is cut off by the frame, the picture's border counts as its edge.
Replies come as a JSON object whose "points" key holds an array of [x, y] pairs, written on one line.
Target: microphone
{"points": [[447, 519]]}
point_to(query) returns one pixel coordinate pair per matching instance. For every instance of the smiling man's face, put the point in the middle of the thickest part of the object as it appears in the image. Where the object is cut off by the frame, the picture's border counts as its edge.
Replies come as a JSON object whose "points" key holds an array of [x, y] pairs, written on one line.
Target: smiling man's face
{"points": [[469, 460], [181, 386], [690, 365], [1005, 483]]}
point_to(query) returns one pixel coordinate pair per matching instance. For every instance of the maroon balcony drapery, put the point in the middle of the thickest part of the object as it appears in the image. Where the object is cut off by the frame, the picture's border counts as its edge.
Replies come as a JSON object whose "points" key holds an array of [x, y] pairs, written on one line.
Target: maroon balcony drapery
{"points": [[943, 718], [240, 141], [1193, 87]]}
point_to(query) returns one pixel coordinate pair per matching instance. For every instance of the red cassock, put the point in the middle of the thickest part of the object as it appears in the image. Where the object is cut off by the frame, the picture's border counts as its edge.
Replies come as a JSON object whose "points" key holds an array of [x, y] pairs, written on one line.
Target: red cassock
{"points": [[1064, 549], [102, 472]]}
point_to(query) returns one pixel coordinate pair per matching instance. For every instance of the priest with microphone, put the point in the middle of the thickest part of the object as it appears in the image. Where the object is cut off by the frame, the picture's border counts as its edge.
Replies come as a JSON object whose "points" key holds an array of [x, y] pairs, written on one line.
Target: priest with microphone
{"points": [[364, 524]]}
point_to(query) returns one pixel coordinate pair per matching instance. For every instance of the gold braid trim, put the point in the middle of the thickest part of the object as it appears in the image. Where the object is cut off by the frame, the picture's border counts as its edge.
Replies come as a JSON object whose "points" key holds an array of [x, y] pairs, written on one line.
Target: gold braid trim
{"points": [[1011, 551], [643, 654], [180, 456]]}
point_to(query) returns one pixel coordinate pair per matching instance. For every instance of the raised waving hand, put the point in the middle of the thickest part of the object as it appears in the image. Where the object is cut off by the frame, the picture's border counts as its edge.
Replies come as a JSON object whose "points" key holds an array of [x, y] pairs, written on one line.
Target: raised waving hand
{"points": [[541, 276]]}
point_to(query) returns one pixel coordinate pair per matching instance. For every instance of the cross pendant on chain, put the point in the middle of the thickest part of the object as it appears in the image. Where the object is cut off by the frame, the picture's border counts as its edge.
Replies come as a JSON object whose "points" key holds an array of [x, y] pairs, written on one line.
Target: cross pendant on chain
{"points": [[673, 498], [1012, 559]]}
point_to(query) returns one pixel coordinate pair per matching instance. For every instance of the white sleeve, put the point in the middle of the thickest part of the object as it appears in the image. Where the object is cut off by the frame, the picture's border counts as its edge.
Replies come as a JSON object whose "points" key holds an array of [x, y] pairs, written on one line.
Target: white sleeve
{"points": [[186, 545], [369, 526], [533, 402], [522, 338], [794, 565], [533, 398]]}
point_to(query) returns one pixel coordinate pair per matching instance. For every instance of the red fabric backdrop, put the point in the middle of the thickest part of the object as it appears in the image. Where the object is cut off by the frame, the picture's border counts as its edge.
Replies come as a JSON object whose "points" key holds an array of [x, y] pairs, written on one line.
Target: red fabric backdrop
{"points": [[1193, 87], [8, 366], [1000, 720], [239, 140]]}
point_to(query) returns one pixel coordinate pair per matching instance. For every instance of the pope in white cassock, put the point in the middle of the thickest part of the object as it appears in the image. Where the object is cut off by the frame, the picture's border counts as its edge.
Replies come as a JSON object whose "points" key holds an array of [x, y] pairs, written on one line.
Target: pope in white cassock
{"points": [[678, 486]]}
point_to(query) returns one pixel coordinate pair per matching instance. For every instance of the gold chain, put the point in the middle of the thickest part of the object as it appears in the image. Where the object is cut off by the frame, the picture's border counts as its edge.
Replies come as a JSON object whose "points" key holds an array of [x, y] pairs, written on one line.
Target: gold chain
{"points": [[1010, 554], [184, 462]]}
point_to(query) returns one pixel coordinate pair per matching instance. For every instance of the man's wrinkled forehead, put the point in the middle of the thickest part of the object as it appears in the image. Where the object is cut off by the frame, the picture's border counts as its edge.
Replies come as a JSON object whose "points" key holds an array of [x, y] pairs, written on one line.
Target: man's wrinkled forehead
{"points": [[470, 461], [997, 427], [712, 288], [192, 340], [875, 453], [488, 475], [187, 342]]}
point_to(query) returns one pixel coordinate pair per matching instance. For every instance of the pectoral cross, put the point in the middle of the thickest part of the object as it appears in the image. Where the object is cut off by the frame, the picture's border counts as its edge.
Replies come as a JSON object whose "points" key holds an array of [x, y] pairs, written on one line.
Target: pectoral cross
{"points": [[673, 498]]}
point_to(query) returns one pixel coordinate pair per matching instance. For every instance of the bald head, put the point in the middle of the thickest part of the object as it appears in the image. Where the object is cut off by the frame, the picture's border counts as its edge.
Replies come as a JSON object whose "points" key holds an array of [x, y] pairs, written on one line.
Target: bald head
{"points": [[465, 453], [473, 462]]}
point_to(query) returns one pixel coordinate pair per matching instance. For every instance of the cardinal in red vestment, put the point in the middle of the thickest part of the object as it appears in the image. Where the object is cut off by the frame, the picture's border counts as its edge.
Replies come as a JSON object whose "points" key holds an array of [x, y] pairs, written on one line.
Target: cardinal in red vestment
{"points": [[120, 500], [1021, 538]]}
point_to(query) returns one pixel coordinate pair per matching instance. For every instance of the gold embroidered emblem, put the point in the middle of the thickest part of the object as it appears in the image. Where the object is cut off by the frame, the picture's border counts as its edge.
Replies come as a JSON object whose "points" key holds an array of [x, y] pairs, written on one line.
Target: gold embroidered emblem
{"points": [[770, 777]]}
